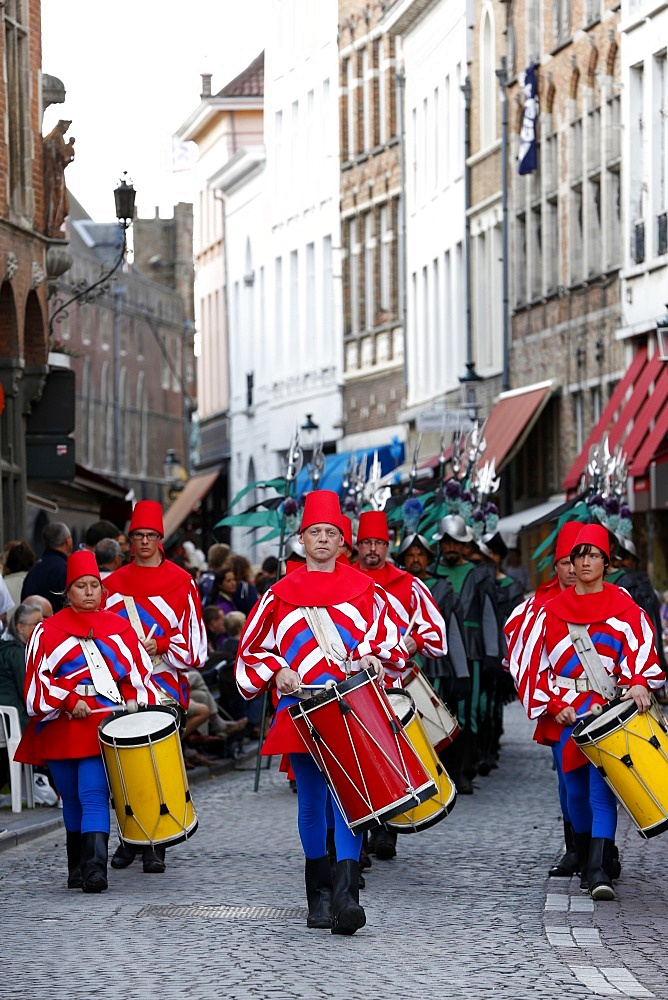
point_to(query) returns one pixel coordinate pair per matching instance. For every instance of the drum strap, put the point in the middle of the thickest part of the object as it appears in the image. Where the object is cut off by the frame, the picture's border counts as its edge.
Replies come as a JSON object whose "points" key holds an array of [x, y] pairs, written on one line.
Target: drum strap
{"points": [[135, 621], [599, 678], [328, 639], [100, 673]]}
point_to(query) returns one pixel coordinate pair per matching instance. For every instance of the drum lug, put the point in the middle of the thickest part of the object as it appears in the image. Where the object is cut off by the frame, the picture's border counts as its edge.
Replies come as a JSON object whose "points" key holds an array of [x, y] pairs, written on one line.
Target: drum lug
{"points": [[626, 759], [345, 707], [654, 740], [164, 809], [128, 809], [395, 726], [601, 770]]}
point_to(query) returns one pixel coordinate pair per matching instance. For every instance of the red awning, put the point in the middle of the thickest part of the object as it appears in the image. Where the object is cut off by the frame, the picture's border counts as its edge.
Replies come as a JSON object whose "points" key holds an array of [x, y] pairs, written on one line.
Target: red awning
{"points": [[190, 496], [636, 417], [512, 420]]}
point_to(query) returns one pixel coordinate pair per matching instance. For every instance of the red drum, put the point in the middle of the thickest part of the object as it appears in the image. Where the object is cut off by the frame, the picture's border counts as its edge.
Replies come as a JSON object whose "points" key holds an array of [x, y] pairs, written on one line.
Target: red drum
{"points": [[355, 738], [440, 724]]}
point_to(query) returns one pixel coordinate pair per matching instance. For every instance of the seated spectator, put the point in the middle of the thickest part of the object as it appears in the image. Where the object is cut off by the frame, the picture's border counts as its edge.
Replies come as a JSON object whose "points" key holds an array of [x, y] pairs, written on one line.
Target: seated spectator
{"points": [[46, 607], [108, 556], [18, 560], [212, 732], [223, 591], [245, 595], [217, 556], [214, 622], [267, 575], [13, 669], [230, 699]]}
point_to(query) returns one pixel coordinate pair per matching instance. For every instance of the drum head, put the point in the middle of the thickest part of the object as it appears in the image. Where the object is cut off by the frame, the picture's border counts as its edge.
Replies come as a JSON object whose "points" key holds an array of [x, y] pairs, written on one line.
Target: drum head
{"points": [[612, 716], [130, 728], [402, 704]]}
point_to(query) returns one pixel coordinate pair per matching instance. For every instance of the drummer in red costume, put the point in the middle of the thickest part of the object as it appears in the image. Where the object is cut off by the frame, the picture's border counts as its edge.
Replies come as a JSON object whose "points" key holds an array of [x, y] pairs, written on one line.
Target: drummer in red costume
{"points": [[421, 622], [279, 648], [558, 690], [162, 603], [516, 629], [80, 663]]}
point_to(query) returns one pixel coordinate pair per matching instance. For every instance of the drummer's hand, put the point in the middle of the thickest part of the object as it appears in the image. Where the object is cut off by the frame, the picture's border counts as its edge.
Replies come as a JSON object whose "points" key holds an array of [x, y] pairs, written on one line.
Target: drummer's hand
{"points": [[80, 710], [566, 717], [150, 645], [287, 680], [640, 695], [373, 663], [410, 644]]}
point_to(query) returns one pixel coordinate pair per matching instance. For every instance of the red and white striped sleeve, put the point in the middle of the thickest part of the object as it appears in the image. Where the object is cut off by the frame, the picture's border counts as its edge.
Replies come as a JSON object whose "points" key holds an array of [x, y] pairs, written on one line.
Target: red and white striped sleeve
{"points": [[258, 659], [428, 631], [383, 637]]}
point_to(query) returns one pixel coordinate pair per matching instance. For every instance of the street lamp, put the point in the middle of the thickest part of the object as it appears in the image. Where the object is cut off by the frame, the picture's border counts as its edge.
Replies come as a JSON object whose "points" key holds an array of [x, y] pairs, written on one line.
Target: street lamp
{"points": [[468, 382], [124, 198], [174, 474]]}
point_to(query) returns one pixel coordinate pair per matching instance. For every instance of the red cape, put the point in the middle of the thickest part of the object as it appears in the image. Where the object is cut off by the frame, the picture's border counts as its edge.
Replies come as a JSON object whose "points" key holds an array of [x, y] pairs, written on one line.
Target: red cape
{"points": [[147, 581], [397, 582], [83, 623], [584, 609], [306, 588]]}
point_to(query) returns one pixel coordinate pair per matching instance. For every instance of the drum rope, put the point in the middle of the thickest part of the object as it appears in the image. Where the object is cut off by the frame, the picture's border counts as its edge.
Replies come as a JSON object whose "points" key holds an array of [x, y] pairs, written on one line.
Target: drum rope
{"points": [[336, 656]]}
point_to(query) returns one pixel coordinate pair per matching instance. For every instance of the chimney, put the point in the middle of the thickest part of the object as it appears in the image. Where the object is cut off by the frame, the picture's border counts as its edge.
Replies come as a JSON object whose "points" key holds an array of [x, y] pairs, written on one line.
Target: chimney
{"points": [[206, 85]]}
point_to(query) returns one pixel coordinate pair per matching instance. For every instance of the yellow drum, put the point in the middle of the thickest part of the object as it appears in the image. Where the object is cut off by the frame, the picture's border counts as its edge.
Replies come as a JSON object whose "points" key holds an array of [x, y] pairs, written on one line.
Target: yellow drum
{"points": [[440, 724], [427, 813], [630, 751], [147, 779]]}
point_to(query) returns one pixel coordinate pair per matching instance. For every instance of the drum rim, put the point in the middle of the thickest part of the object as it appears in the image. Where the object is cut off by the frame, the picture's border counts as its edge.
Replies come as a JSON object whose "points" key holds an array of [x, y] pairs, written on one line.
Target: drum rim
{"points": [[411, 710], [164, 842], [432, 821], [145, 738], [330, 694], [423, 793], [605, 727]]}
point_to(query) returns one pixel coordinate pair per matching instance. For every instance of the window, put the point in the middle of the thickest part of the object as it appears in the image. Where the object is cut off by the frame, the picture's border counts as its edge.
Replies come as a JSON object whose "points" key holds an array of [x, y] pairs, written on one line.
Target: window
{"points": [[367, 100], [350, 108], [294, 297], [369, 272], [327, 291], [382, 90], [660, 150], [488, 99], [354, 277], [311, 327], [17, 109], [561, 21]]}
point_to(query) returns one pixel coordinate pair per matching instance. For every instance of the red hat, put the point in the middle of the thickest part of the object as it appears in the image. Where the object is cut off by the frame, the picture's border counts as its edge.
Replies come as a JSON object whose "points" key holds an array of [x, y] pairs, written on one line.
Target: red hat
{"points": [[566, 539], [594, 534], [81, 563], [321, 507], [347, 529], [147, 514], [373, 524]]}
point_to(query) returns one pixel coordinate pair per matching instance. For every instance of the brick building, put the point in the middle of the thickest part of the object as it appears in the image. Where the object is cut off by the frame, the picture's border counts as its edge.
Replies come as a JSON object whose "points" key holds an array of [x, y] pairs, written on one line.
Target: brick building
{"points": [[374, 390]]}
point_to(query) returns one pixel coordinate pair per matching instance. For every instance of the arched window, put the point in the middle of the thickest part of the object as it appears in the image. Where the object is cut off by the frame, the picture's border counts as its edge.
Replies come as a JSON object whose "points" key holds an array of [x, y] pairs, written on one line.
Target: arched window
{"points": [[488, 84], [142, 408]]}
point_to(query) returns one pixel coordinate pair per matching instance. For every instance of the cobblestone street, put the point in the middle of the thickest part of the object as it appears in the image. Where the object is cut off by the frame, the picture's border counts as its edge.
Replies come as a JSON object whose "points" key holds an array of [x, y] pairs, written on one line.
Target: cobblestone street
{"points": [[466, 910]]}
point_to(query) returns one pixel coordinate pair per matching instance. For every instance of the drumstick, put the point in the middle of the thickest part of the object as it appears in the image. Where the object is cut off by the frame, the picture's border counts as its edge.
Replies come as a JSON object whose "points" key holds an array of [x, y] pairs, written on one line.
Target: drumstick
{"points": [[150, 635], [411, 623]]}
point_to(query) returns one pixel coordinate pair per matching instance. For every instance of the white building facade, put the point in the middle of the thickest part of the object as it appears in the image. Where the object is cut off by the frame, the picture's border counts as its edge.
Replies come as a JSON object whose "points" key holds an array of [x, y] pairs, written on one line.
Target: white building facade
{"points": [[434, 49]]}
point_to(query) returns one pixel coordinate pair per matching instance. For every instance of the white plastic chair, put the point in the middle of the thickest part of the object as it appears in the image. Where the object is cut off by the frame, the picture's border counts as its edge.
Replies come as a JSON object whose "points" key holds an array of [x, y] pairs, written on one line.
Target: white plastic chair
{"points": [[10, 736]]}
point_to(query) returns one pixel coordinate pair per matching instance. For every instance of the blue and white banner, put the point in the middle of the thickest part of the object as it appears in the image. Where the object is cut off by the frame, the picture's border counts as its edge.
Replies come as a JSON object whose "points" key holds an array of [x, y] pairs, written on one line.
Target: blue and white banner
{"points": [[528, 155]]}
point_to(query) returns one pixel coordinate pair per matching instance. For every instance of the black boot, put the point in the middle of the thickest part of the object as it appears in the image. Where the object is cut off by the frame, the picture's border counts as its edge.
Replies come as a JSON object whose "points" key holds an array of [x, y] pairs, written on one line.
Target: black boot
{"points": [[318, 876], [94, 849], [365, 860], [582, 842], [616, 863], [154, 860], [568, 864], [348, 915], [73, 844], [385, 843], [124, 855], [601, 857]]}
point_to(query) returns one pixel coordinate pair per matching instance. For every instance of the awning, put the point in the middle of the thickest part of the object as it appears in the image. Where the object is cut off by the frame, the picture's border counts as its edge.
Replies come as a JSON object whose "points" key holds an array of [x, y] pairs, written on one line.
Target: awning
{"points": [[86, 493], [185, 503], [513, 524], [635, 418], [512, 419], [336, 465]]}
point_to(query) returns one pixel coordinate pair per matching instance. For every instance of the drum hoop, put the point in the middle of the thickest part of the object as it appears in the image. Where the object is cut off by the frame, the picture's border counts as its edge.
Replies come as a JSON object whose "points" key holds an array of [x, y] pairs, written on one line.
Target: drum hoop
{"points": [[332, 694], [142, 739], [581, 733]]}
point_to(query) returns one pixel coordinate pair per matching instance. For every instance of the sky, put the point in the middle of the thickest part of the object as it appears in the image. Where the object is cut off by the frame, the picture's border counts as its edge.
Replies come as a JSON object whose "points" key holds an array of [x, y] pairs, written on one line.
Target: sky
{"points": [[132, 76]]}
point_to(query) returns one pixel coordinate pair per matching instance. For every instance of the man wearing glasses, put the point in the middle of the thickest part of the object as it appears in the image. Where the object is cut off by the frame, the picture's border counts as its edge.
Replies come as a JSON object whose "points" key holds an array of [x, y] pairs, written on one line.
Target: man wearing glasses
{"points": [[162, 603], [562, 686]]}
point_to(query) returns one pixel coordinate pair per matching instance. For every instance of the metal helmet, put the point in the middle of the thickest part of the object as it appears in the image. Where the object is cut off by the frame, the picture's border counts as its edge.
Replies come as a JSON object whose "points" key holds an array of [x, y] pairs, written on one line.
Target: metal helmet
{"points": [[454, 527], [295, 548], [414, 539]]}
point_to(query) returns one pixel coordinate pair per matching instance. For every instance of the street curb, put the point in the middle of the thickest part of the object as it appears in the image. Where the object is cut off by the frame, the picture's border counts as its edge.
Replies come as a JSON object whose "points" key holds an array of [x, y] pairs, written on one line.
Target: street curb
{"points": [[27, 831]]}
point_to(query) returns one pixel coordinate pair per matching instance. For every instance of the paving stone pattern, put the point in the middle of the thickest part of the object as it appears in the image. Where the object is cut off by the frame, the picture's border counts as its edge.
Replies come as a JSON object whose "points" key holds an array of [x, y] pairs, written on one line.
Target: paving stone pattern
{"points": [[465, 910]]}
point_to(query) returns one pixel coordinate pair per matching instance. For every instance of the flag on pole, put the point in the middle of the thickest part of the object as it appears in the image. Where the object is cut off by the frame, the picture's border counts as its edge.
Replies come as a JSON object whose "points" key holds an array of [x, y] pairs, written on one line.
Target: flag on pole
{"points": [[528, 155]]}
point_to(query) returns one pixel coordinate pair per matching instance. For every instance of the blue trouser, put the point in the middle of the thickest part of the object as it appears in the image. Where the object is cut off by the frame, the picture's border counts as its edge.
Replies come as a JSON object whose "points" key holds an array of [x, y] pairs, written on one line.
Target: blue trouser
{"points": [[591, 805], [313, 797], [82, 785]]}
